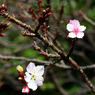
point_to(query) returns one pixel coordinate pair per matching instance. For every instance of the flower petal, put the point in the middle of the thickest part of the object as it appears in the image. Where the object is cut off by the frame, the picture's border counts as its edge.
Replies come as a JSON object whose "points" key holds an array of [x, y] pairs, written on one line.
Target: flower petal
{"points": [[27, 77], [30, 67], [39, 83], [27, 74], [39, 80], [32, 85], [76, 23], [72, 35], [82, 28], [70, 27], [39, 70], [80, 35]]}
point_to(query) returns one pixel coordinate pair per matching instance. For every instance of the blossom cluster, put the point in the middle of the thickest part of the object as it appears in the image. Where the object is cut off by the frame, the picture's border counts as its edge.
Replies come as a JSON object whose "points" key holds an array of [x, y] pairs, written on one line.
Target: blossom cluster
{"points": [[32, 78]]}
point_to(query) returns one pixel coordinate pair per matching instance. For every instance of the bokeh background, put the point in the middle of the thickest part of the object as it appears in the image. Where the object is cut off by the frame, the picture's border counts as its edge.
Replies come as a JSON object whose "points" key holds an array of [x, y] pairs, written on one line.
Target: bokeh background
{"points": [[14, 44]]}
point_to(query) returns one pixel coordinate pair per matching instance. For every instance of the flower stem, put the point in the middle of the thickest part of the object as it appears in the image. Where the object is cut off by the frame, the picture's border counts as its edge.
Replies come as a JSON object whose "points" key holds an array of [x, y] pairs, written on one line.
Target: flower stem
{"points": [[72, 48]]}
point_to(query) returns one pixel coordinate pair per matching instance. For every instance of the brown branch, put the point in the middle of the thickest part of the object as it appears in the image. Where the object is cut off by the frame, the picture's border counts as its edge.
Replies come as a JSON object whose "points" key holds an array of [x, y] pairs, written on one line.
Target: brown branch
{"points": [[88, 67], [22, 58], [72, 62], [57, 43], [53, 15], [36, 47], [86, 18], [61, 11], [27, 33], [72, 47]]}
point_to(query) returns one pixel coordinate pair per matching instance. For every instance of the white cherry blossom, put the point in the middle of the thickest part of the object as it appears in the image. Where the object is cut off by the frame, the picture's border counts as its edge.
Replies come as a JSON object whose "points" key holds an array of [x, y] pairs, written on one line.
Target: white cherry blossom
{"points": [[34, 76]]}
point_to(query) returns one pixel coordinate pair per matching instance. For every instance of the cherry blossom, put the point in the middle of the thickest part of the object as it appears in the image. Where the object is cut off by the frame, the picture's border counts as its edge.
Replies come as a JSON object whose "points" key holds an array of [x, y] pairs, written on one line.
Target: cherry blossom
{"points": [[34, 76], [75, 29]]}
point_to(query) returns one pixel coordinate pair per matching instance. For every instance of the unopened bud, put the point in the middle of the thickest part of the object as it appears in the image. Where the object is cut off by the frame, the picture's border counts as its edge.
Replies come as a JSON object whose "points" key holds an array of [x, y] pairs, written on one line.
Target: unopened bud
{"points": [[47, 27], [47, 14], [44, 11], [25, 89], [7, 24], [19, 68], [3, 5], [4, 8], [2, 34], [47, 9], [20, 78]]}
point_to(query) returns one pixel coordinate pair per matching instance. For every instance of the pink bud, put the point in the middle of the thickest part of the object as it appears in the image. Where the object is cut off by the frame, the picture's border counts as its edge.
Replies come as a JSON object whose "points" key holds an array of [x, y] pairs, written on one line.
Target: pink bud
{"points": [[7, 24], [2, 34], [25, 89]]}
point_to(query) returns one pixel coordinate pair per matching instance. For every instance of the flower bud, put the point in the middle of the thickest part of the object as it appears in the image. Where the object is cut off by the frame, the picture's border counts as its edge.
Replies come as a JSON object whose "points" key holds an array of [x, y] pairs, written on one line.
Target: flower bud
{"points": [[7, 24], [25, 89], [2, 34], [20, 78], [19, 68], [3, 5]]}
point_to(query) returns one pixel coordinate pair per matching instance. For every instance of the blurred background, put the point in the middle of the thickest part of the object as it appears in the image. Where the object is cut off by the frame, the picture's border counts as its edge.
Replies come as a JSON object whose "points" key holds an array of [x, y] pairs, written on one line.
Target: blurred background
{"points": [[18, 49]]}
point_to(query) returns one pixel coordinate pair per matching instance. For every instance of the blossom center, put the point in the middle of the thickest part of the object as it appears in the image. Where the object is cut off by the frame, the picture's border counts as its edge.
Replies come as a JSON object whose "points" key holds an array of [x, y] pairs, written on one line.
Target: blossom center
{"points": [[33, 77], [76, 30]]}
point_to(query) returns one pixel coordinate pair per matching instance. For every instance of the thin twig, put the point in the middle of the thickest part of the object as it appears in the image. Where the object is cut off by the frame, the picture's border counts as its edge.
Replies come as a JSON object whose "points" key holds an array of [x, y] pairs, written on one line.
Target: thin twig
{"points": [[87, 67], [86, 18], [71, 49]]}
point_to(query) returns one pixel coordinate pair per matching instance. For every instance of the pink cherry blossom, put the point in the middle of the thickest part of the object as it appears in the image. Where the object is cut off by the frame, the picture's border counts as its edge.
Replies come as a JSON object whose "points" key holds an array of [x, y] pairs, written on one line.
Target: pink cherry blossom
{"points": [[75, 29], [25, 89]]}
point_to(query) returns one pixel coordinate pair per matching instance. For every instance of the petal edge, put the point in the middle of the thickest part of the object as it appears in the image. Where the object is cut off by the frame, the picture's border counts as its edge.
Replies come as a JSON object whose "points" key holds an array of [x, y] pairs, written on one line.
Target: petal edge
{"points": [[70, 27]]}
